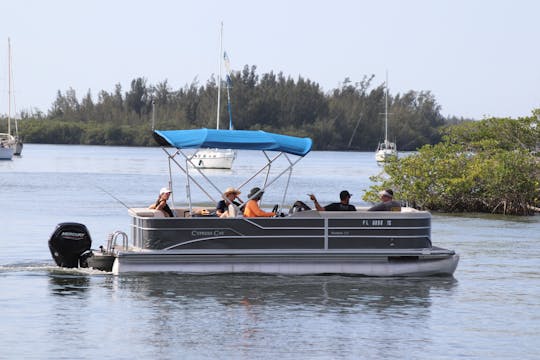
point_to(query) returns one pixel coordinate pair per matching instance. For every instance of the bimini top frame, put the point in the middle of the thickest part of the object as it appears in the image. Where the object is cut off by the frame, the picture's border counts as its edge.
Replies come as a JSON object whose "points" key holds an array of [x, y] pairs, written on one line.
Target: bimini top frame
{"points": [[231, 139]]}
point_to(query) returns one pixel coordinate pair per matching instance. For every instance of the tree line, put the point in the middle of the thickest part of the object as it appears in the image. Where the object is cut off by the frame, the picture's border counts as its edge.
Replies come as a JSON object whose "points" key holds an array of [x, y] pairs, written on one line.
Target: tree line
{"points": [[349, 117], [489, 166]]}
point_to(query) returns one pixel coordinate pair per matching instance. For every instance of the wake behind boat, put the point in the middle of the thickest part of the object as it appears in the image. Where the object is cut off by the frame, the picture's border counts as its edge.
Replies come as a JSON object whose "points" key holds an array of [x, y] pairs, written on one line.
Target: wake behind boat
{"points": [[300, 242]]}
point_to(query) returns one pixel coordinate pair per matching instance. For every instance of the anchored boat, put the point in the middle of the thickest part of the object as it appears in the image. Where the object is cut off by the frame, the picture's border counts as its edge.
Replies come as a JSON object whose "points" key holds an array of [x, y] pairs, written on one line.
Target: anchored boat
{"points": [[297, 242], [10, 145], [218, 158], [386, 149]]}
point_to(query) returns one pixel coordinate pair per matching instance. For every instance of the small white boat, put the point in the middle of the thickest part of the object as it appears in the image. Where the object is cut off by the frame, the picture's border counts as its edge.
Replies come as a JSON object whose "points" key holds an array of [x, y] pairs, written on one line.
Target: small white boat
{"points": [[386, 149], [367, 243]]}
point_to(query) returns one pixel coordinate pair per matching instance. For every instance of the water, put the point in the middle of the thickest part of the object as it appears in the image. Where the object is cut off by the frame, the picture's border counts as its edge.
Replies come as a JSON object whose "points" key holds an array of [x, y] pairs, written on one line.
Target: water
{"points": [[489, 309]]}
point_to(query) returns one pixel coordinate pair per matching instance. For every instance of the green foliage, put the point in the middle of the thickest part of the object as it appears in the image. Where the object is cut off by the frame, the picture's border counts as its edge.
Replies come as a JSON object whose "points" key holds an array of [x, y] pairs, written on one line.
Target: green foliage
{"points": [[60, 132], [486, 166], [347, 118]]}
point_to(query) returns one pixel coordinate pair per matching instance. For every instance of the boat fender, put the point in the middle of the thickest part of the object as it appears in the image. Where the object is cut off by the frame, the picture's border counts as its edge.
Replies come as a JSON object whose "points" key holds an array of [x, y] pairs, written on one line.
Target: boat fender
{"points": [[70, 245]]}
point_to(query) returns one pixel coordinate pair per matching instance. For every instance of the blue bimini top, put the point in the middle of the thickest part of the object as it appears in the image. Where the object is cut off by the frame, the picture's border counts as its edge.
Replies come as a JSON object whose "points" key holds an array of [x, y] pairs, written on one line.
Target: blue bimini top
{"points": [[233, 139]]}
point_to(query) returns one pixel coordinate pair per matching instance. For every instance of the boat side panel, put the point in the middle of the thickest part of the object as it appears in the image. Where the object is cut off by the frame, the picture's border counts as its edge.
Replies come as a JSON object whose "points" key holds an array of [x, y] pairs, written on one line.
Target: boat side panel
{"points": [[216, 233], [347, 242], [282, 233]]}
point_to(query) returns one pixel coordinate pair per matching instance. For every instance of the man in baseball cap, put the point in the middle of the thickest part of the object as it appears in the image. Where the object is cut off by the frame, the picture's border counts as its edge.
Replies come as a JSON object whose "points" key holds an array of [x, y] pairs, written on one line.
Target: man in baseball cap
{"points": [[343, 205]]}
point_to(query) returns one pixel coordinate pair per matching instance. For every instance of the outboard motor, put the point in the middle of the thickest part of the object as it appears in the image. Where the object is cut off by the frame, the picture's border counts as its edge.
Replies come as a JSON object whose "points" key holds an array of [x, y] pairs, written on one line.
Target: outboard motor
{"points": [[70, 245]]}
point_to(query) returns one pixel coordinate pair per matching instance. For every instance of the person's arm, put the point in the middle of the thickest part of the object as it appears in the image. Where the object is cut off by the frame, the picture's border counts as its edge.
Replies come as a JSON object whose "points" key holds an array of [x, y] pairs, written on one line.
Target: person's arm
{"points": [[239, 200], [161, 205], [316, 203], [378, 207], [153, 206]]}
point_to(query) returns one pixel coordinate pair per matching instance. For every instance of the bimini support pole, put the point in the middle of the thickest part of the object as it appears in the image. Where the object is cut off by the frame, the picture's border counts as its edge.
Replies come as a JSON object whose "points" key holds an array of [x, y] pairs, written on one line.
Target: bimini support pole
{"points": [[288, 181], [191, 177], [187, 174]]}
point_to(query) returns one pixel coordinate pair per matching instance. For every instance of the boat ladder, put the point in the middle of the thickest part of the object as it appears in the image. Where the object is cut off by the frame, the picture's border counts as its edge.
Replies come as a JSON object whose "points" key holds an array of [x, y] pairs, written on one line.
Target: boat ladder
{"points": [[112, 239]]}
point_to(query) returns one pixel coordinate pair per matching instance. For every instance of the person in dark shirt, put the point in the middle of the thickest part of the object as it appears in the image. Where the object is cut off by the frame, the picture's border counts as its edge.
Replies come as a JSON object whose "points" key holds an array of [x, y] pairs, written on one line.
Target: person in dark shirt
{"points": [[387, 203], [161, 202], [343, 205], [230, 196]]}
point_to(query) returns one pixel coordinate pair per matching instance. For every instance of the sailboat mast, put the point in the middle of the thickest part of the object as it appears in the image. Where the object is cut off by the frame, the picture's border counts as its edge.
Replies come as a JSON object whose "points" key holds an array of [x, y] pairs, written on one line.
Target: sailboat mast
{"points": [[9, 86], [219, 76], [386, 111]]}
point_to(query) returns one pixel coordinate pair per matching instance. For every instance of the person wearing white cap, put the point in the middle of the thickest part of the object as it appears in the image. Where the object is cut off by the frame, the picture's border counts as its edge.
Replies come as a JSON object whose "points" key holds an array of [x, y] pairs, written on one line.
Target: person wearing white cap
{"points": [[387, 203], [229, 197], [161, 202]]}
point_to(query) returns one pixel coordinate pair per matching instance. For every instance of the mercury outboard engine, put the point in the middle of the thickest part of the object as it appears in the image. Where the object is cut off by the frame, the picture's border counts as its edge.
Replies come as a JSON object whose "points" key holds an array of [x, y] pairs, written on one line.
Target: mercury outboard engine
{"points": [[70, 245]]}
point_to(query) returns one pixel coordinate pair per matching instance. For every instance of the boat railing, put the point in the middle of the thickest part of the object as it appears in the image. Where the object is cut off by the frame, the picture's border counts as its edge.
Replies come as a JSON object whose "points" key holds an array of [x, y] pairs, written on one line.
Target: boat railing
{"points": [[112, 240], [362, 212]]}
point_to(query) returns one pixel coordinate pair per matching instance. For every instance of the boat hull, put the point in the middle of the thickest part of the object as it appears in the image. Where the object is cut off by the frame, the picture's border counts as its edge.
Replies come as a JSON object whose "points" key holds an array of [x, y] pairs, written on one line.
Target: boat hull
{"points": [[6, 153], [8, 146], [443, 263], [18, 148], [385, 155]]}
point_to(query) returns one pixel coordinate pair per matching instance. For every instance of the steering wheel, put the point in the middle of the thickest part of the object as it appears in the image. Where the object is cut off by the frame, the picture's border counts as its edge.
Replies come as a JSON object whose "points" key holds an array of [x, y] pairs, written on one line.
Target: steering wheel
{"points": [[275, 209]]}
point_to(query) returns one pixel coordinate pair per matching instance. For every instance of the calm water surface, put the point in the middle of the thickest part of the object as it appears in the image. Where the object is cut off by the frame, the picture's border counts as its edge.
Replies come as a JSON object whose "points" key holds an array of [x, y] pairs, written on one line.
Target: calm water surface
{"points": [[490, 309]]}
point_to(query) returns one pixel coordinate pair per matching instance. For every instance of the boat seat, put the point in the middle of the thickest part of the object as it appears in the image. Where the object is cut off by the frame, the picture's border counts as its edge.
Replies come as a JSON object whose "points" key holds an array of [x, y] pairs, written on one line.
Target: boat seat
{"points": [[145, 212]]}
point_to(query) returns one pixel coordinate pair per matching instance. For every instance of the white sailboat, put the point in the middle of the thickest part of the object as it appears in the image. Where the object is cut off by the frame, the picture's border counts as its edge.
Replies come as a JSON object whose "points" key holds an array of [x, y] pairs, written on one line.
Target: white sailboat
{"points": [[218, 158], [10, 145], [386, 149], [6, 148]]}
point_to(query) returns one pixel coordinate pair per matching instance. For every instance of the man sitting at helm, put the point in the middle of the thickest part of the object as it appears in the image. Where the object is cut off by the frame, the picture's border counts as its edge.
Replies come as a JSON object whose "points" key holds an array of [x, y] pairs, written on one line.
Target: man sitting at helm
{"points": [[252, 208]]}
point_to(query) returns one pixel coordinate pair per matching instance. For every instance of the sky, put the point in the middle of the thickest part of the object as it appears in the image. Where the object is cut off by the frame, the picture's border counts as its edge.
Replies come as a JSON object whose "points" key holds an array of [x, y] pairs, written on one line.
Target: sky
{"points": [[479, 58]]}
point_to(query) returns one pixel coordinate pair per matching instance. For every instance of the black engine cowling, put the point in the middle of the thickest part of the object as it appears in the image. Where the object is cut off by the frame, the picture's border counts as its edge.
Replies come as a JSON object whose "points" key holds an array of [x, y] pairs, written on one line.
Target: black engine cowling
{"points": [[70, 245]]}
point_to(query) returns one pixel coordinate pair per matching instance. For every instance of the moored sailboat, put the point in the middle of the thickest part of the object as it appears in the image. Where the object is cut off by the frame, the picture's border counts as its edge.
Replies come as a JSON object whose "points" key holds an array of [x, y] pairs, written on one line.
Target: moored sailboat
{"points": [[386, 149], [213, 158], [7, 140]]}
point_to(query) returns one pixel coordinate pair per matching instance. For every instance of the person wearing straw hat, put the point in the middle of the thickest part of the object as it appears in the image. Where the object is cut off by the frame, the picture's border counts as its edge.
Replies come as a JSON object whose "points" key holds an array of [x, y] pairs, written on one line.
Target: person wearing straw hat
{"points": [[229, 197], [161, 202], [252, 208], [387, 203]]}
